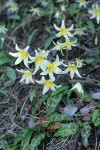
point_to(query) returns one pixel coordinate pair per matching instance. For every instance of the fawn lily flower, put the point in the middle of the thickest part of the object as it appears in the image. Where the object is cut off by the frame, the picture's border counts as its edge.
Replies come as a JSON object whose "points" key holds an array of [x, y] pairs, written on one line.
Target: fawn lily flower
{"points": [[79, 31], [95, 12], [82, 3], [72, 68], [27, 75], [44, 3], [40, 60], [13, 7], [9, 3], [58, 47], [3, 30], [53, 68], [78, 87], [68, 44], [63, 31], [22, 55], [79, 63], [63, 8], [48, 84], [57, 14], [36, 11]]}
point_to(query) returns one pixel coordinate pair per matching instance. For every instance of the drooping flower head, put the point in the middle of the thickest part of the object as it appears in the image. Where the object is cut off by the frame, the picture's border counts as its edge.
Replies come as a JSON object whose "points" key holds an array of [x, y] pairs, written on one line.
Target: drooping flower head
{"points": [[40, 60], [22, 55], [27, 75], [95, 12], [79, 31], [3, 30], [35, 11], [63, 31], [82, 3], [53, 68], [72, 68], [59, 47], [48, 84], [69, 44], [78, 87]]}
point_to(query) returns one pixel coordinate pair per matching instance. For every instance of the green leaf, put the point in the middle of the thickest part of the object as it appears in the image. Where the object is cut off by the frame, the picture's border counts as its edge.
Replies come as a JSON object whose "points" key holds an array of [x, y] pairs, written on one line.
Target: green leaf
{"points": [[25, 140], [85, 133], [5, 58], [96, 117], [87, 97], [11, 73], [73, 9], [14, 17], [33, 34], [21, 135], [36, 140], [55, 99], [57, 118], [91, 25], [49, 41], [32, 94], [67, 130], [5, 145]]}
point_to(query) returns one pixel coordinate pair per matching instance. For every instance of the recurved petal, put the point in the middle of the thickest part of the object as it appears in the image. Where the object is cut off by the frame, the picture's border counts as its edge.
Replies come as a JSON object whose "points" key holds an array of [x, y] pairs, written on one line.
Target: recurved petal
{"points": [[27, 47], [18, 61], [45, 89], [63, 24], [13, 54], [17, 48], [71, 28], [26, 62], [57, 28]]}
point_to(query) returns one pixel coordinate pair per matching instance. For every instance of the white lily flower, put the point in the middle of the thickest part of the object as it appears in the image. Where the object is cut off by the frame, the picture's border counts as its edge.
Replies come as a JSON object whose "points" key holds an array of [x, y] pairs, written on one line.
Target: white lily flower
{"points": [[95, 12], [53, 68], [13, 7], [63, 8], [22, 55], [27, 75], [57, 14], [79, 63], [35, 11], [68, 44], [59, 47], [3, 30], [40, 60], [72, 68], [82, 3], [79, 31], [78, 87], [48, 84], [44, 3], [63, 31]]}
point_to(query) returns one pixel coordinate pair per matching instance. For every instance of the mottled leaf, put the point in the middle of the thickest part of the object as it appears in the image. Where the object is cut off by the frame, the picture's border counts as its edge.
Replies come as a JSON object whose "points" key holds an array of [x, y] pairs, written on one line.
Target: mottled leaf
{"points": [[11, 73], [67, 130], [36, 140], [85, 133], [54, 99]]}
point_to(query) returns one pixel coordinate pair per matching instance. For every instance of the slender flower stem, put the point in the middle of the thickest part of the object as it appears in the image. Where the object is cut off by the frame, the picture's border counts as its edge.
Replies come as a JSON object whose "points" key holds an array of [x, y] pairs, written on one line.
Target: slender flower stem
{"points": [[67, 56]]}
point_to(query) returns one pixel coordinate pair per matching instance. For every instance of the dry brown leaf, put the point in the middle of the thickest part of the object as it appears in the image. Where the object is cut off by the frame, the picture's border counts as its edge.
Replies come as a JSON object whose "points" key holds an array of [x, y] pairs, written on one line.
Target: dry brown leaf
{"points": [[54, 126]]}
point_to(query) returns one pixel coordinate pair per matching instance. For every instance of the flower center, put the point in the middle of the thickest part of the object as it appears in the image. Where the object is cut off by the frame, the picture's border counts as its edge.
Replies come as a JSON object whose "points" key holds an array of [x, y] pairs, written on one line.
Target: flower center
{"points": [[82, 1], [64, 30], [39, 59], [72, 68], [27, 73], [23, 54], [49, 83], [97, 12], [68, 43], [52, 67]]}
